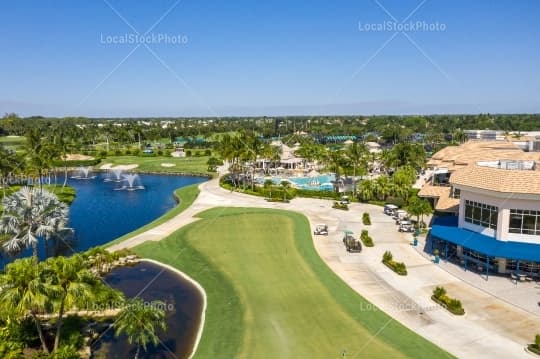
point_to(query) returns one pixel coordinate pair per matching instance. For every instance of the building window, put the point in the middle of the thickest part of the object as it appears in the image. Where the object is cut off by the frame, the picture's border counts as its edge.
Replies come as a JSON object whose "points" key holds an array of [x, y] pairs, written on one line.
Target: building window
{"points": [[456, 192], [481, 214], [524, 222]]}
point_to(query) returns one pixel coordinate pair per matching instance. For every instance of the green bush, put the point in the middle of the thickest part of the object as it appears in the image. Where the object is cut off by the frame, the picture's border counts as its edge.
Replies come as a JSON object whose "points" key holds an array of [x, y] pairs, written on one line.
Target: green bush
{"points": [[188, 153], [366, 238], [342, 206], [439, 292], [453, 305], [208, 153], [366, 220], [398, 267], [317, 194], [397, 201]]}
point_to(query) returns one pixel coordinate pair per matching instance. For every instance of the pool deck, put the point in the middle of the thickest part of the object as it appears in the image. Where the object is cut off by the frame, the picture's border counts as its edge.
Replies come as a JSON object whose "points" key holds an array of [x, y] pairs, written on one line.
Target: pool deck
{"points": [[492, 327]]}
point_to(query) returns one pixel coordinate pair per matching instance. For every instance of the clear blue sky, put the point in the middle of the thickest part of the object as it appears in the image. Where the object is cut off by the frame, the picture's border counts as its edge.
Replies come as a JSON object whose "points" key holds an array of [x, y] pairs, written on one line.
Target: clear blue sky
{"points": [[269, 57]]}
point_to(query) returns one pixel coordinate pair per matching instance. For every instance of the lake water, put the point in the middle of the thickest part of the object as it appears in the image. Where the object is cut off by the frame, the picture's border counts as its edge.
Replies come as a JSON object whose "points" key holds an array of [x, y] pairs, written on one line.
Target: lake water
{"points": [[183, 303], [100, 213]]}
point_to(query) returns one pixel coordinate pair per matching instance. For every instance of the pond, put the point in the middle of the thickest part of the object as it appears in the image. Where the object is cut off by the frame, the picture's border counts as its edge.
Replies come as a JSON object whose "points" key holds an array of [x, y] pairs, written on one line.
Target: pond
{"points": [[183, 302], [101, 212]]}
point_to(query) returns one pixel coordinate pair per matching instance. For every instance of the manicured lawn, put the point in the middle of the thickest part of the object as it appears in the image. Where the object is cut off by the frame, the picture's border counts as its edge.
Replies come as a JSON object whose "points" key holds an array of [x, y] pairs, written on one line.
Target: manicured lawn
{"points": [[186, 196], [153, 164], [271, 296]]}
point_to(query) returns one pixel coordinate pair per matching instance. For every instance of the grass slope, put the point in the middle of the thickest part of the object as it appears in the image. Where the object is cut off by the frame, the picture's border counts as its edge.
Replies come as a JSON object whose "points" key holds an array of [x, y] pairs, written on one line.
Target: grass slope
{"points": [[270, 295], [185, 195]]}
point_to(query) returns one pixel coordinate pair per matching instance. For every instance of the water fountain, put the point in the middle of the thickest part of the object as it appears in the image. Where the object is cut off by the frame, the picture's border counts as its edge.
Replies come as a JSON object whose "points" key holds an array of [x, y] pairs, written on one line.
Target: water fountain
{"points": [[116, 175], [130, 178], [84, 173]]}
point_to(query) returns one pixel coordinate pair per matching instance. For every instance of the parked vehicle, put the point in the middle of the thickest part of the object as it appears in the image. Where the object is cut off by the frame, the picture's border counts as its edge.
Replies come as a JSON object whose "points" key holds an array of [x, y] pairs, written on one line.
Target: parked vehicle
{"points": [[406, 226], [321, 230], [352, 244], [345, 200], [389, 209], [399, 214], [402, 220]]}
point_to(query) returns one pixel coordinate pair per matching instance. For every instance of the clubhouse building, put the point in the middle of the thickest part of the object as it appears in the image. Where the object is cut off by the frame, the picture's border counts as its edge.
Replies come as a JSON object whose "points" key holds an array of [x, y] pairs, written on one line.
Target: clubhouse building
{"points": [[487, 195]]}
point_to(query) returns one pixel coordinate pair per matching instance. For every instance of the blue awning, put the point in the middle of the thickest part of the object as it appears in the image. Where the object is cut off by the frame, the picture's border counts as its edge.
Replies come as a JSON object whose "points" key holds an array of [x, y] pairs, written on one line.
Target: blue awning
{"points": [[446, 228]]}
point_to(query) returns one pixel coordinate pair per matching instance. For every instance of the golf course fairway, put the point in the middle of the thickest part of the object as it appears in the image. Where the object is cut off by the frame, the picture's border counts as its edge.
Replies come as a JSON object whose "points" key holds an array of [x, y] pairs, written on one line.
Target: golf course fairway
{"points": [[271, 296]]}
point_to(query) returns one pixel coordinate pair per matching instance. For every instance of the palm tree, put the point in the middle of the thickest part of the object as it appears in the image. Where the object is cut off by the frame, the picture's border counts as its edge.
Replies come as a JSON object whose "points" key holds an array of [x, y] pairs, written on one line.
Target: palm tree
{"points": [[357, 155], [285, 185], [268, 186], [72, 283], [30, 214], [25, 292], [140, 321], [367, 189]]}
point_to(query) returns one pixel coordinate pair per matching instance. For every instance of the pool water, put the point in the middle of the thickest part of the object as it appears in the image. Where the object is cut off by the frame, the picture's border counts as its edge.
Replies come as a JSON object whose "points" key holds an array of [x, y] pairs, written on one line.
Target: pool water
{"points": [[317, 183]]}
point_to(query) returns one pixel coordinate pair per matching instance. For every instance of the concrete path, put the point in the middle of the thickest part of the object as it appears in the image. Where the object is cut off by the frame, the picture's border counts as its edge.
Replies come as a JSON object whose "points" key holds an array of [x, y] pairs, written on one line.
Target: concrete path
{"points": [[491, 328]]}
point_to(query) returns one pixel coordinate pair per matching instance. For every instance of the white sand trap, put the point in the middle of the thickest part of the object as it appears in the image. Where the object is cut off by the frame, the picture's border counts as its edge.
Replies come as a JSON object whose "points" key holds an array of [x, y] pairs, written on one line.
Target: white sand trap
{"points": [[110, 166], [165, 164], [77, 157]]}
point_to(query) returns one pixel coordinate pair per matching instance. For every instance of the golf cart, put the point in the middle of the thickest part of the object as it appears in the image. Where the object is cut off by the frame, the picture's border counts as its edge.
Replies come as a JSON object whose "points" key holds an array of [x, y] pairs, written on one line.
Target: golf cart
{"points": [[406, 226], [321, 229], [345, 200], [352, 244], [389, 209]]}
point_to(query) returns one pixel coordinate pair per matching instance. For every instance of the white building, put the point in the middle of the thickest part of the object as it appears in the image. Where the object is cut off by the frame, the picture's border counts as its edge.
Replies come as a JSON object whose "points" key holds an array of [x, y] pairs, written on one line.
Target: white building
{"points": [[493, 192]]}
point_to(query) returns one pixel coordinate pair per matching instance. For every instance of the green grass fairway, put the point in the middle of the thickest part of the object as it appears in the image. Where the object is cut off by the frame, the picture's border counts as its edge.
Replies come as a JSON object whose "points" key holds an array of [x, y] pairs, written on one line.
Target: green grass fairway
{"points": [[271, 296], [153, 164]]}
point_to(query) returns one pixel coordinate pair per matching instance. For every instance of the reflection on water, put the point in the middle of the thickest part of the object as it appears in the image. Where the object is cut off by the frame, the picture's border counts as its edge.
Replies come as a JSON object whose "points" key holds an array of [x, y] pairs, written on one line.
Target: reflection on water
{"points": [[183, 303]]}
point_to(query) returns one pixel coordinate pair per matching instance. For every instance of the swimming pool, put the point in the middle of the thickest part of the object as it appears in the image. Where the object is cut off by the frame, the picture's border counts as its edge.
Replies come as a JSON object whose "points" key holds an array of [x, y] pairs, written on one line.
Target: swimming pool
{"points": [[317, 183]]}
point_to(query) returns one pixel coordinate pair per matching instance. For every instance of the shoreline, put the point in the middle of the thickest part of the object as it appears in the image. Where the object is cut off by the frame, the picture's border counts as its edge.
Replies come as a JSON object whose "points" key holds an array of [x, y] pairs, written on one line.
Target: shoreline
{"points": [[201, 291]]}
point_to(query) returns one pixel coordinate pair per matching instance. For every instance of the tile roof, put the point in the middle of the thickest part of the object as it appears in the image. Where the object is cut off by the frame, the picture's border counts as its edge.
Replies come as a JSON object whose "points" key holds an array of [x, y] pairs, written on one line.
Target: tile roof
{"points": [[499, 180]]}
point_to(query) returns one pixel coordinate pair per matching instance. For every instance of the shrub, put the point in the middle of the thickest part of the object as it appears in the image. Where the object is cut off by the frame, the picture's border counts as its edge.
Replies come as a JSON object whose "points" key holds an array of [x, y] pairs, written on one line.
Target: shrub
{"points": [[397, 201], [102, 153], [316, 194], [342, 206], [160, 153], [439, 292], [366, 219], [451, 304], [128, 152], [366, 238], [118, 152], [398, 267], [188, 153], [208, 153]]}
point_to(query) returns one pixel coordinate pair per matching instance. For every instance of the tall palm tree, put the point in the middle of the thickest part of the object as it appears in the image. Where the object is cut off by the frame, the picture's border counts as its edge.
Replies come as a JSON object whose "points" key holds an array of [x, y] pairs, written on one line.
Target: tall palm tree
{"points": [[25, 292], [140, 322], [31, 214], [72, 283], [357, 155]]}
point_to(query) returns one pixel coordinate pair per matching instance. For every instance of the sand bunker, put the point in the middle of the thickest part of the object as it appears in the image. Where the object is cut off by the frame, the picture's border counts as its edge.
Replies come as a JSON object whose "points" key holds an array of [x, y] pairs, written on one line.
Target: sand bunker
{"points": [[165, 164], [78, 157], [110, 166]]}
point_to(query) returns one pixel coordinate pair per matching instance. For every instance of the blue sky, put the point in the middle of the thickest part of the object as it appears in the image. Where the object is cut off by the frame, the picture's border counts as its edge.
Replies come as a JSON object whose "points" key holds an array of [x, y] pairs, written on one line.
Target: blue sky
{"points": [[269, 57]]}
